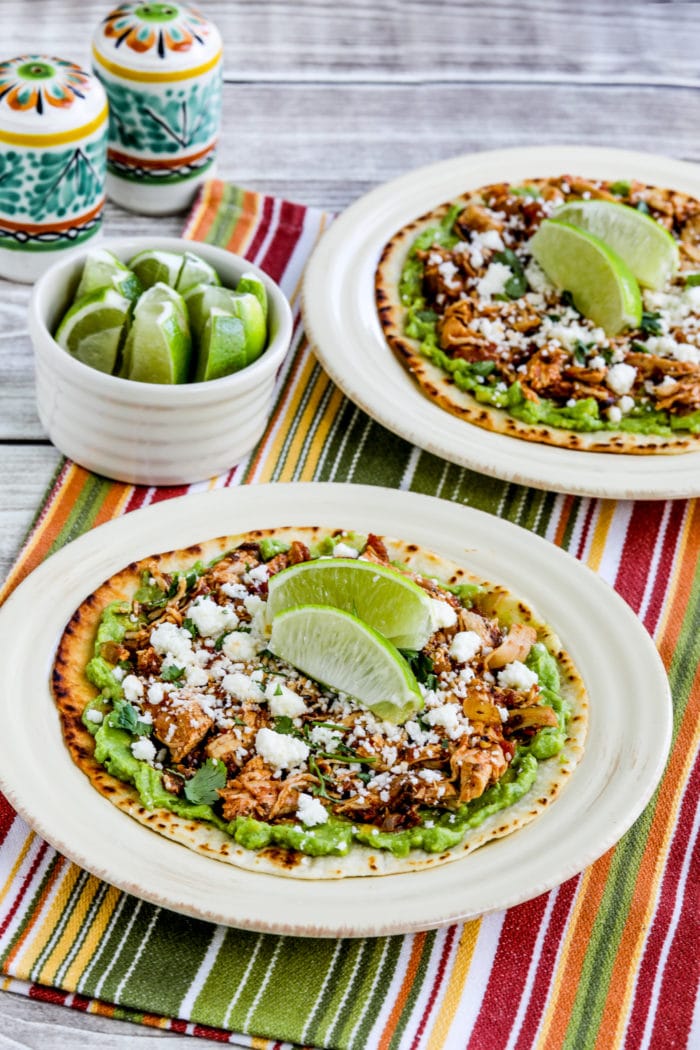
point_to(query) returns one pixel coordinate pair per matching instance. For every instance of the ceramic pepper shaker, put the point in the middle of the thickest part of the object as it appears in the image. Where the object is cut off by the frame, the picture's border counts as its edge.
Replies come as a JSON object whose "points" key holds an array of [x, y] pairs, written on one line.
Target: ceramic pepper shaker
{"points": [[161, 67], [53, 141]]}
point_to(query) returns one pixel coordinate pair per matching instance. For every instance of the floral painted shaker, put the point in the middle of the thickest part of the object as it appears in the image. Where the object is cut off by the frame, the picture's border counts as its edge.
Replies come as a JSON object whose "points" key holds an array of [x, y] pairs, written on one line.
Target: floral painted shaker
{"points": [[161, 67], [53, 140]]}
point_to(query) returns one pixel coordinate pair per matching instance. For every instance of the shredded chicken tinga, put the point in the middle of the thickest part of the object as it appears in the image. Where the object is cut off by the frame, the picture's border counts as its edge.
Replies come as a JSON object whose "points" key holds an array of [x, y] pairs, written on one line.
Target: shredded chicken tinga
{"points": [[173, 705]]}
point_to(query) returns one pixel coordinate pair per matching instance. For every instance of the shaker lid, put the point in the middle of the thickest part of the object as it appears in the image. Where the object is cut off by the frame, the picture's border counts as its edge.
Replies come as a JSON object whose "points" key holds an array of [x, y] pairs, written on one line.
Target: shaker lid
{"points": [[44, 98], [156, 42]]}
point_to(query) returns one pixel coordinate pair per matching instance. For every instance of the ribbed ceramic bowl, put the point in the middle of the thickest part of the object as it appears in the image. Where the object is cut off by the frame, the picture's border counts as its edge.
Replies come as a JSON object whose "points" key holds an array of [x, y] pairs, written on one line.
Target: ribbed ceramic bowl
{"points": [[147, 433]]}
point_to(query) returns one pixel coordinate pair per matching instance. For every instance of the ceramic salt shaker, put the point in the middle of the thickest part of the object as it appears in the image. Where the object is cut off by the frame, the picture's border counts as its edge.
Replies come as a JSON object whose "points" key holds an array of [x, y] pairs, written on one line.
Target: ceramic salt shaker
{"points": [[161, 67], [53, 141]]}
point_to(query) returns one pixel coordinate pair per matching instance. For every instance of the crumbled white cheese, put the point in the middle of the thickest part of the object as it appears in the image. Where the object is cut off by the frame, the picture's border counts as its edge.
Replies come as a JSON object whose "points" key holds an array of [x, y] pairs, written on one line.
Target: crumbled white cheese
{"points": [[311, 811], [279, 750], [328, 739], [537, 278], [494, 280], [283, 700], [94, 716], [620, 378], [133, 688], [257, 575], [143, 748], [465, 646], [685, 352], [211, 619], [118, 673], [239, 646], [234, 590], [196, 675], [448, 717], [489, 239], [344, 550], [517, 676], [568, 335], [241, 686], [626, 404], [169, 640], [442, 614], [597, 362], [614, 414], [156, 692]]}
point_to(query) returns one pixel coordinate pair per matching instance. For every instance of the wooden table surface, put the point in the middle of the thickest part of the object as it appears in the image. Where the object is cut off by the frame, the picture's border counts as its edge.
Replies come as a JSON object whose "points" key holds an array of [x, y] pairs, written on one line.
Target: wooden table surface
{"points": [[323, 101]]}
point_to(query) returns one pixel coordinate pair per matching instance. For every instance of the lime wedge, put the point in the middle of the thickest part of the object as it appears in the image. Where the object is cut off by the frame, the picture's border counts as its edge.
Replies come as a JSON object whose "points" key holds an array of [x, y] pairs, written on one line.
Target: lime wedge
{"points": [[195, 271], [343, 652], [158, 348], [602, 285], [104, 270], [201, 299], [222, 347], [93, 328], [250, 282], [247, 307], [385, 599], [648, 249], [152, 267]]}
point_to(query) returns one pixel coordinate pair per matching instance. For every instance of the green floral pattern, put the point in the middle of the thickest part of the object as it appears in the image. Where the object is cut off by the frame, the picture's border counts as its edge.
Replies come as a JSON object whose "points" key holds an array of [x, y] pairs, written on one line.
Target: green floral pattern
{"points": [[44, 185], [178, 120]]}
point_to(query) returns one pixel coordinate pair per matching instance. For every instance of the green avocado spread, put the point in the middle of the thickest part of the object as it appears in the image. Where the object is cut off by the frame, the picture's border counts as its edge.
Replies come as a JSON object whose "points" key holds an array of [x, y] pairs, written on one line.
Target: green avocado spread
{"points": [[481, 378], [116, 727]]}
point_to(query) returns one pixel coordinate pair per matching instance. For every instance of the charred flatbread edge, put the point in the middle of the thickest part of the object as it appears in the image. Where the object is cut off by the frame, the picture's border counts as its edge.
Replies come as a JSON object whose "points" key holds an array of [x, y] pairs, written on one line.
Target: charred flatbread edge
{"points": [[441, 388], [72, 691]]}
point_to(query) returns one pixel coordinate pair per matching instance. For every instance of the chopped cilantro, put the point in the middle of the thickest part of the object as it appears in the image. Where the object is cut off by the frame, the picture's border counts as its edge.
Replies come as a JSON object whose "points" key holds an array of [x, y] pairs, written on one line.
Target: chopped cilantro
{"points": [[692, 280], [172, 673], [567, 298], [641, 348], [321, 789], [203, 787], [421, 665], [581, 351], [284, 725], [125, 716], [191, 626], [218, 644], [515, 286], [651, 323]]}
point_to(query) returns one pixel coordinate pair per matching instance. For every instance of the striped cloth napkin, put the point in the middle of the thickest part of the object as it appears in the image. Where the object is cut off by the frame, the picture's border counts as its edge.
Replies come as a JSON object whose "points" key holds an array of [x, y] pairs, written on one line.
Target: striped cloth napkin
{"points": [[608, 959]]}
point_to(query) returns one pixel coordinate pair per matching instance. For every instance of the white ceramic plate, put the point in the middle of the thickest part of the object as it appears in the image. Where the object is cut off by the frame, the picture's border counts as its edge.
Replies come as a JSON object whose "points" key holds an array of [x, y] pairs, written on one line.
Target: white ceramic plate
{"points": [[342, 324], [630, 719]]}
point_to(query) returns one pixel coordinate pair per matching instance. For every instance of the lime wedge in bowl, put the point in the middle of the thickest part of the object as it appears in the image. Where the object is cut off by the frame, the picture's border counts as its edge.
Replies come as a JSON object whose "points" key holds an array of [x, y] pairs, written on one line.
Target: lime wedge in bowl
{"points": [[248, 309], [93, 328], [195, 271], [201, 299], [102, 269], [222, 347], [250, 282], [602, 285], [153, 267], [384, 598], [648, 249], [158, 348], [343, 652]]}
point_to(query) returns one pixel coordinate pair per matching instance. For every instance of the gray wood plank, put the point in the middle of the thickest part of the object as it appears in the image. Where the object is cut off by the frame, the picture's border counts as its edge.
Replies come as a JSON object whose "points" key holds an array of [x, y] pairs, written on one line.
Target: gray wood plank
{"points": [[411, 39]]}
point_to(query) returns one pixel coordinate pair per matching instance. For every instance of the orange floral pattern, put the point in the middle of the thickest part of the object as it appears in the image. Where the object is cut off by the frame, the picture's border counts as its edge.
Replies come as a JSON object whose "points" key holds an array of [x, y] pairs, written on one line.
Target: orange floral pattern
{"points": [[162, 28], [38, 81]]}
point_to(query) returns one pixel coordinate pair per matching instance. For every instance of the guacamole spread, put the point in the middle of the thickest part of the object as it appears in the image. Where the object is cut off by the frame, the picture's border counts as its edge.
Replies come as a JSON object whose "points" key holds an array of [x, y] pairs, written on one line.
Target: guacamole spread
{"points": [[189, 706]]}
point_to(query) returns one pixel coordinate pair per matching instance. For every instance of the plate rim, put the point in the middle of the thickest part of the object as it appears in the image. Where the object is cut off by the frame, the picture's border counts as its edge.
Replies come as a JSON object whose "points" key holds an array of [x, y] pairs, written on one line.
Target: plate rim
{"points": [[594, 474], [317, 499]]}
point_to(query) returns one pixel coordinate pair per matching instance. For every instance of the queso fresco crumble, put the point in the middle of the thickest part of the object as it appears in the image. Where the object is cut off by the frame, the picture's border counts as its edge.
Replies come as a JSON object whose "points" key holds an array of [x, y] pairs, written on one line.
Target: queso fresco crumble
{"points": [[190, 690], [485, 312]]}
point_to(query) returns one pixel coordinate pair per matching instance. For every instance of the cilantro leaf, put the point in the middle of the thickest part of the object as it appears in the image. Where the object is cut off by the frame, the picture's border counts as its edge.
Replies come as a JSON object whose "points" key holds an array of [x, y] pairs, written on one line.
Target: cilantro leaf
{"points": [[621, 188], [191, 626], [651, 323], [125, 716], [172, 673], [203, 787], [422, 667], [692, 279], [515, 286]]}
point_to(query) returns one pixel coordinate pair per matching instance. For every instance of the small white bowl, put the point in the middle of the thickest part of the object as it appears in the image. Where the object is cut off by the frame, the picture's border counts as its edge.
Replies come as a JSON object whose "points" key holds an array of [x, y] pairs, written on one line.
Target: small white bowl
{"points": [[148, 433]]}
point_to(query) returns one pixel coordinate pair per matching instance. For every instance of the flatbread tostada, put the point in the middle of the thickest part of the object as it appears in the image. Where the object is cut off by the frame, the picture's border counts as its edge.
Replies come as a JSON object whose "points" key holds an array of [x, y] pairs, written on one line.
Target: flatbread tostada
{"points": [[476, 321], [179, 713]]}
